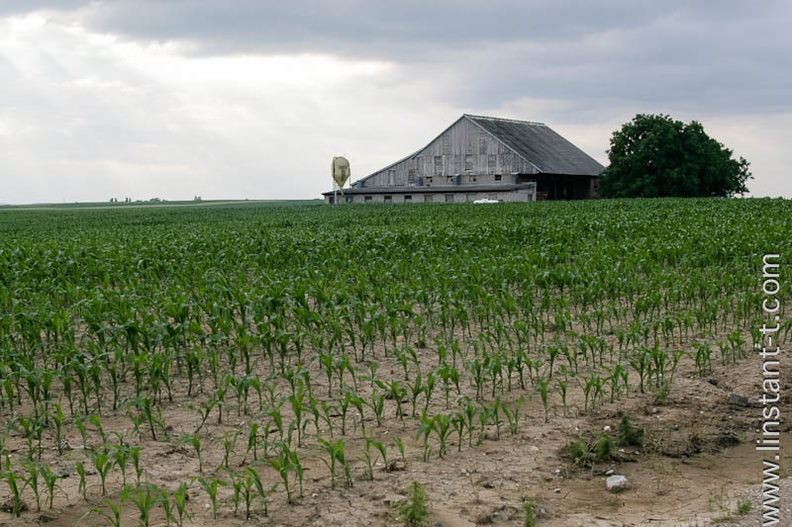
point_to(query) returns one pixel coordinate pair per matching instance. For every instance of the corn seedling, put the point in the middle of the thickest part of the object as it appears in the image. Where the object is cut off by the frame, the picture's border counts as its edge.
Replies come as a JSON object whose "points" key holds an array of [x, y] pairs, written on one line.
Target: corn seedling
{"points": [[114, 516], [284, 465], [254, 480], [336, 459], [180, 503], [145, 497], [513, 415], [441, 425], [211, 486], [400, 447], [424, 431], [50, 479], [31, 480], [229, 441], [80, 468]]}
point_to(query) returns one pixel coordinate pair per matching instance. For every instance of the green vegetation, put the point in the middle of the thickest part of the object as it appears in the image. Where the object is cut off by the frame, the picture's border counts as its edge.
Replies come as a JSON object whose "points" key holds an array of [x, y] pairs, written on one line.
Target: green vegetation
{"points": [[529, 509], [654, 156], [246, 340], [744, 505], [414, 511], [629, 434]]}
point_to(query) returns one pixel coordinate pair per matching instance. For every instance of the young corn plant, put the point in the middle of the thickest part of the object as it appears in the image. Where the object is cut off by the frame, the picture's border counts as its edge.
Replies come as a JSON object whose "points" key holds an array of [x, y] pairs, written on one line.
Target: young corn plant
{"points": [[424, 432], [31, 480], [369, 459], [211, 487], [336, 459], [145, 497], [284, 465], [357, 402], [703, 358], [441, 425], [513, 415], [229, 441], [82, 487], [399, 444], [543, 387], [416, 389], [298, 405], [180, 504], [103, 464], [396, 392], [50, 481], [377, 405], [254, 480]]}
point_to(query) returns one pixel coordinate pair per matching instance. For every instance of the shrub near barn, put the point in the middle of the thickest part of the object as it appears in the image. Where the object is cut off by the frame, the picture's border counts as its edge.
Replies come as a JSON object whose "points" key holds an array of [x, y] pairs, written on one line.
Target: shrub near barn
{"points": [[656, 156]]}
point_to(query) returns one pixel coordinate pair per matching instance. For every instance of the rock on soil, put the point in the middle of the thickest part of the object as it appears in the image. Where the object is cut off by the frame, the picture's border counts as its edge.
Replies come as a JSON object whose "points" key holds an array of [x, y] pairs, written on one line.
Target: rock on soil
{"points": [[617, 483]]}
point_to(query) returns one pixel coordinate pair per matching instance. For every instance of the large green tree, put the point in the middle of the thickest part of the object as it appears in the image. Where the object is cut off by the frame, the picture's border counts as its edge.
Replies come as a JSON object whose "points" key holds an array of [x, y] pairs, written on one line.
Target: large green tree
{"points": [[657, 156]]}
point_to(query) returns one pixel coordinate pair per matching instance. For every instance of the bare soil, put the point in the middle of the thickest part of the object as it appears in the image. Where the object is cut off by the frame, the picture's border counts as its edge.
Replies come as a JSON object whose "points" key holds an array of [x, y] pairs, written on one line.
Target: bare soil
{"points": [[697, 461]]}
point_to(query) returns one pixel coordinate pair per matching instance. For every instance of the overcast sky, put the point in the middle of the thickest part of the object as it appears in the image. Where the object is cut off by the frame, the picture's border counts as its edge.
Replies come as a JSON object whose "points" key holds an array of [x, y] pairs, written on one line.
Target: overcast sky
{"points": [[252, 98]]}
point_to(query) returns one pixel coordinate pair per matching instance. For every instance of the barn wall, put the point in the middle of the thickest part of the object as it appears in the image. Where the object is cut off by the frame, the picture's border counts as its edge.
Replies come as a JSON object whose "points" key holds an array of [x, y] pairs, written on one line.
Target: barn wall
{"points": [[465, 150], [439, 196]]}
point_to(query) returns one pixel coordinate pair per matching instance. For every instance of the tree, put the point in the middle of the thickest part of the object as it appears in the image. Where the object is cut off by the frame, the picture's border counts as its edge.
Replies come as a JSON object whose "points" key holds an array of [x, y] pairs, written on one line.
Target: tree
{"points": [[656, 156]]}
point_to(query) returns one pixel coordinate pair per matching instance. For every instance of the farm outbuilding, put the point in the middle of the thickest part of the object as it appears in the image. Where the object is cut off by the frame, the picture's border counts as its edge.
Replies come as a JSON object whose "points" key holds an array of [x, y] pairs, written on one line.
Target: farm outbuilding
{"points": [[481, 157]]}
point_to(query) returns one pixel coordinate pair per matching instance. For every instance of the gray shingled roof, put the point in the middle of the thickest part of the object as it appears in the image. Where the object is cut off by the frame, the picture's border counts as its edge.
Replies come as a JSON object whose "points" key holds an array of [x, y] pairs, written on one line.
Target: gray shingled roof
{"points": [[540, 145]]}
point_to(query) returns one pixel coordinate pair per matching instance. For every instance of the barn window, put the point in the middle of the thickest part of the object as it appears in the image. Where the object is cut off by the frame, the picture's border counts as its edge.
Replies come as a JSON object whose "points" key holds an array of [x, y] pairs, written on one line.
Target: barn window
{"points": [[438, 165], [411, 176], [349, 198], [388, 199], [471, 178], [482, 143], [428, 198], [449, 198], [470, 198], [408, 198], [498, 177], [428, 181], [391, 177], [367, 198], [491, 163], [468, 163]]}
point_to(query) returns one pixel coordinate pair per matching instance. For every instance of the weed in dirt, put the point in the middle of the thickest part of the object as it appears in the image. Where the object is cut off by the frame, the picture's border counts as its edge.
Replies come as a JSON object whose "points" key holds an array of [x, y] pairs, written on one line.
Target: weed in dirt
{"points": [[579, 452], [662, 393], [604, 447], [628, 434], [414, 511], [529, 509], [744, 505]]}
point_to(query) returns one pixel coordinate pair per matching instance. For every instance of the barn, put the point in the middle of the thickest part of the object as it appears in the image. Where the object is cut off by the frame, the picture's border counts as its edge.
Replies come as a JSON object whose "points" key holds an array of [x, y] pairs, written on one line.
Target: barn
{"points": [[481, 157]]}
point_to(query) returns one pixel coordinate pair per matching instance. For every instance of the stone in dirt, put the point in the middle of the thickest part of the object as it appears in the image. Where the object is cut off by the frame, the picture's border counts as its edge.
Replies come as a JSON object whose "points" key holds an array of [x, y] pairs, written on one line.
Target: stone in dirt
{"points": [[617, 483], [392, 499]]}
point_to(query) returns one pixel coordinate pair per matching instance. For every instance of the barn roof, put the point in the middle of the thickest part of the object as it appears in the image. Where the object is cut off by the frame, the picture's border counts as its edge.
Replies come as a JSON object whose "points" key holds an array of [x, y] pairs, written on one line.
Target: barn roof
{"points": [[538, 144]]}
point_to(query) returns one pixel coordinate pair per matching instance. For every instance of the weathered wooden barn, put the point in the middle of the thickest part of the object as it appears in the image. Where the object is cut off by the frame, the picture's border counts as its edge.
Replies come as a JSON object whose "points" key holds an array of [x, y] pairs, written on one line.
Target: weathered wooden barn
{"points": [[483, 158]]}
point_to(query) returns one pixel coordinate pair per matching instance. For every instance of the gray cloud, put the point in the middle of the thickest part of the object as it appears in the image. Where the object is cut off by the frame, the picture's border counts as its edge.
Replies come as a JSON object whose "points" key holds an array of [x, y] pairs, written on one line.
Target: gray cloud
{"points": [[664, 55], [20, 7], [79, 107]]}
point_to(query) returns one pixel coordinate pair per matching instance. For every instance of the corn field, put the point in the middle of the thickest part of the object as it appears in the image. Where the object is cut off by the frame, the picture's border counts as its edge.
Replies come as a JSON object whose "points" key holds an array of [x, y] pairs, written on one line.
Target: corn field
{"points": [[250, 342]]}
